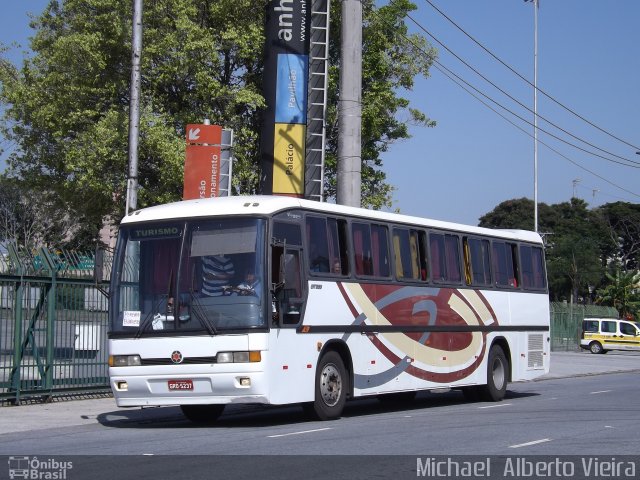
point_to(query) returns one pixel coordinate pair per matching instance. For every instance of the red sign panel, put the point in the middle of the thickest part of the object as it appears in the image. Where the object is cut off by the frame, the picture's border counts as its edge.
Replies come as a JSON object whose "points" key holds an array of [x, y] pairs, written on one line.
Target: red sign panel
{"points": [[202, 172], [200, 134]]}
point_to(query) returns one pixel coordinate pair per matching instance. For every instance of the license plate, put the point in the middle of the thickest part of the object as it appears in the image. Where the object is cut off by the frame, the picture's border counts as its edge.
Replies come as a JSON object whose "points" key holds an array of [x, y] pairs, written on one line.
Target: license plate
{"points": [[180, 385]]}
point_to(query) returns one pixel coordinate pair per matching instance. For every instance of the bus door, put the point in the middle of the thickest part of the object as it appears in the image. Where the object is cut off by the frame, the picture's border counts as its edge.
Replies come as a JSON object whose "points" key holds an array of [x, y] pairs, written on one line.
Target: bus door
{"points": [[288, 294]]}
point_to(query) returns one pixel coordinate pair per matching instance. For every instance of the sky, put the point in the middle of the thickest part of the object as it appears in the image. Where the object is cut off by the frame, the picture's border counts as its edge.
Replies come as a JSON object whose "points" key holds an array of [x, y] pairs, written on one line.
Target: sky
{"points": [[588, 60]]}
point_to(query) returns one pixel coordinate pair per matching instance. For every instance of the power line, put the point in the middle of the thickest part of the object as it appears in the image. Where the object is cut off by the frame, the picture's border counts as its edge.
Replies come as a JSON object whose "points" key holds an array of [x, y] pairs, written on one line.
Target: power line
{"points": [[501, 90], [530, 135], [557, 102], [529, 122], [443, 70]]}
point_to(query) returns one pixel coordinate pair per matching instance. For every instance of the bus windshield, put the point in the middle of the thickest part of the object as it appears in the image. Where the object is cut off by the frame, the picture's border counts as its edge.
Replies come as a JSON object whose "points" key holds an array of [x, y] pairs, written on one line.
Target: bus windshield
{"points": [[194, 277]]}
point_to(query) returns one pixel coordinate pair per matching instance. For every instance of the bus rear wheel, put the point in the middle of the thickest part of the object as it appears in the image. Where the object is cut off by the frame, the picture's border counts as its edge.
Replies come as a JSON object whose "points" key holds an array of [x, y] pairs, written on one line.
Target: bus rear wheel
{"points": [[497, 376], [202, 414], [330, 388]]}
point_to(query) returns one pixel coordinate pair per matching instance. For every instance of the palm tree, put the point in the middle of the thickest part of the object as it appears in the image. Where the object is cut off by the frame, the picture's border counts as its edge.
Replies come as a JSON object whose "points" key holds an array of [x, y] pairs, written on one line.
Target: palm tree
{"points": [[623, 293]]}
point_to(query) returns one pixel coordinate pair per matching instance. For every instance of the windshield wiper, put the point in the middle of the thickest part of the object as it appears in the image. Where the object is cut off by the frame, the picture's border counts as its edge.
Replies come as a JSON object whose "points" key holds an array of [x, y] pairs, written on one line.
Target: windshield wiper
{"points": [[149, 318], [201, 316]]}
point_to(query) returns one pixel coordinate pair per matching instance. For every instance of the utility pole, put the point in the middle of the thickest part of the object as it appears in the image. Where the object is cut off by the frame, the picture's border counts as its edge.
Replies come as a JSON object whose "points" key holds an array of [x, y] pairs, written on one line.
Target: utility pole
{"points": [[134, 108], [535, 115], [575, 183], [350, 106]]}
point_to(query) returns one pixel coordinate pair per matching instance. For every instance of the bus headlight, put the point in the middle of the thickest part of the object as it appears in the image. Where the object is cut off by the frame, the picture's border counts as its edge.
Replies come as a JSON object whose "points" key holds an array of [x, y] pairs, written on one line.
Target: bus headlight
{"points": [[124, 360], [238, 357]]}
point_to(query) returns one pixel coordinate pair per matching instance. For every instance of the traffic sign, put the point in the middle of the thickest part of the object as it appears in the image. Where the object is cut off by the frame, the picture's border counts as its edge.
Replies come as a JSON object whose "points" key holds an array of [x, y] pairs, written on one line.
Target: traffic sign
{"points": [[202, 172], [201, 134]]}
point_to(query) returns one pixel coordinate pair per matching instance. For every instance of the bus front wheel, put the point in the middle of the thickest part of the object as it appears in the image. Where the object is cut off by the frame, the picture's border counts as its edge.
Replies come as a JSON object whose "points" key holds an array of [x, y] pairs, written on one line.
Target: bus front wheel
{"points": [[202, 413], [497, 376], [330, 388]]}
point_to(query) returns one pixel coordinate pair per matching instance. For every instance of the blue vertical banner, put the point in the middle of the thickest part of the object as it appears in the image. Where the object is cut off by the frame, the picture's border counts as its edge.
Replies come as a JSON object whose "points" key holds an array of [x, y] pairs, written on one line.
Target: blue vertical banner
{"points": [[285, 86], [291, 89]]}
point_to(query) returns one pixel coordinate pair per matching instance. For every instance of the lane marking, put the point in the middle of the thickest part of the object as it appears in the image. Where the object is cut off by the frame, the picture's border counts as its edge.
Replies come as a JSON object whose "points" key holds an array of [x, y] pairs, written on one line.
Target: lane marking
{"points": [[299, 433], [496, 406], [535, 442], [600, 391]]}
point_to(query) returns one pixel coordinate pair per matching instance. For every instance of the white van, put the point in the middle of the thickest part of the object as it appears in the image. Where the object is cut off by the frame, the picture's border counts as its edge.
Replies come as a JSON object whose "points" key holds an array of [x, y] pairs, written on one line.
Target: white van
{"points": [[599, 335]]}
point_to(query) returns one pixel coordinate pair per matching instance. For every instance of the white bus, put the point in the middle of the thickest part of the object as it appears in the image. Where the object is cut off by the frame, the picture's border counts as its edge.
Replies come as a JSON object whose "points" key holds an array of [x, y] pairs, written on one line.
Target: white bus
{"points": [[276, 300]]}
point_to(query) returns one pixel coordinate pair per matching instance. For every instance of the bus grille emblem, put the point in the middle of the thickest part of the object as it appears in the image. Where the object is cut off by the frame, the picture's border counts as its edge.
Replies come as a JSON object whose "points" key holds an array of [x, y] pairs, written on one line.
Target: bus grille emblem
{"points": [[176, 356]]}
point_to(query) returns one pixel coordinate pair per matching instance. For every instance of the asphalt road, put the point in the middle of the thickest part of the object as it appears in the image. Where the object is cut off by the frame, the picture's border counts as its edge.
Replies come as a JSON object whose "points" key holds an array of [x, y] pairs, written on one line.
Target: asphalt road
{"points": [[569, 416], [593, 415]]}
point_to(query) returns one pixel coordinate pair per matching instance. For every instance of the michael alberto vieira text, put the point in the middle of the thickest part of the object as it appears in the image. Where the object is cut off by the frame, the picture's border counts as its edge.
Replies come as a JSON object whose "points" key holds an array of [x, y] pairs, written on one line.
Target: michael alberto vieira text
{"points": [[522, 467]]}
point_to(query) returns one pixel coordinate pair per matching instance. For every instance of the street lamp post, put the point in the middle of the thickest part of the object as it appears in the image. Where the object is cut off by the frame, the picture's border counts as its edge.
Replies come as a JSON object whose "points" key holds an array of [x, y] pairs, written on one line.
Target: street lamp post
{"points": [[535, 112], [535, 115]]}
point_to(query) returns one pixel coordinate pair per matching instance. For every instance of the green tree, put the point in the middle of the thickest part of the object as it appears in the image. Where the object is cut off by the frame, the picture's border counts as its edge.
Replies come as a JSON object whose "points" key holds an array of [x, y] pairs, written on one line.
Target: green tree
{"points": [[622, 225], [29, 220], [66, 106], [622, 292], [518, 213], [574, 250]]}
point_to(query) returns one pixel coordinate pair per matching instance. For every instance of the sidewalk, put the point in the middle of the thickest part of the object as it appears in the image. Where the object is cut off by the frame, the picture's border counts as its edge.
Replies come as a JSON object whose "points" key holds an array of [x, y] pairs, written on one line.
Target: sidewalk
{"points": [[85, 412], [579, 364]]}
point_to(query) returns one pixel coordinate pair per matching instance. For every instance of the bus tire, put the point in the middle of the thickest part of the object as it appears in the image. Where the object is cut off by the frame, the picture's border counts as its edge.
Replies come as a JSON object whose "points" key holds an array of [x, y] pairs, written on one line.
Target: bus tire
{"points": [[596, 347], [331, 385], [497, 376], [202, 414]]}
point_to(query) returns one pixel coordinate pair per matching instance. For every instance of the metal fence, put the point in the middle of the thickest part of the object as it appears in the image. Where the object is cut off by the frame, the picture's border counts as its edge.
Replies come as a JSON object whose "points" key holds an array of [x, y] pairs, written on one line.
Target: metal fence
{"points": [[566, 323], [53, 323]]}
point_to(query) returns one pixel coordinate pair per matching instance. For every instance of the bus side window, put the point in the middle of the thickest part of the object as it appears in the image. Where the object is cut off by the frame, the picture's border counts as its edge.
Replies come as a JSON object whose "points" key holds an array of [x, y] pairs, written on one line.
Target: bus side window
{"points": [[408, 251], [371, 247], [505, 268], [327, 252], [532, 264], [445, 258], [477, 264]]}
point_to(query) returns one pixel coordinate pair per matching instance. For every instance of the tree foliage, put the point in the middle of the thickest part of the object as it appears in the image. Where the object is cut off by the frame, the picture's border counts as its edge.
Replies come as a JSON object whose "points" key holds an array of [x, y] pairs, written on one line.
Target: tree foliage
{"points": [[32, 221], [623, 293], [67, 105], [621, 221]]}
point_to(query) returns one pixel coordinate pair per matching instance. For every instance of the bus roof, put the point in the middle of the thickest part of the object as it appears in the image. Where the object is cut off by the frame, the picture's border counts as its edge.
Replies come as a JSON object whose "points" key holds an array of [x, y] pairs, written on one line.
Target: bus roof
{"points": [[270, 204]]}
